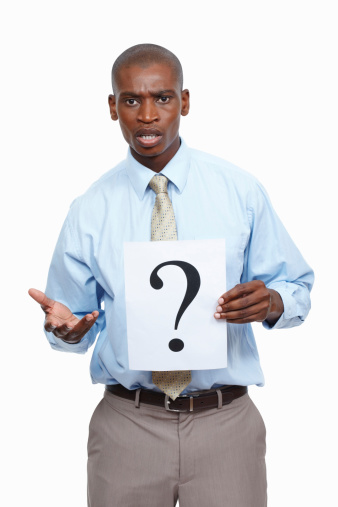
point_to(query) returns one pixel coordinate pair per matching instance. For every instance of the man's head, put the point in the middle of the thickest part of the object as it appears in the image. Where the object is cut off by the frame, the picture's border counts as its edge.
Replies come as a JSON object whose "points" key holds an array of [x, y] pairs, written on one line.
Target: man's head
{"points": [[144, 55], [148, 101]]}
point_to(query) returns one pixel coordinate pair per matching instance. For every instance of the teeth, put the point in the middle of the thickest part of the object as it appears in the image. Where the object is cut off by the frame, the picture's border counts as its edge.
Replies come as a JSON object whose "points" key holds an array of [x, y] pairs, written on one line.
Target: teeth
{"points": [[149, 137]]}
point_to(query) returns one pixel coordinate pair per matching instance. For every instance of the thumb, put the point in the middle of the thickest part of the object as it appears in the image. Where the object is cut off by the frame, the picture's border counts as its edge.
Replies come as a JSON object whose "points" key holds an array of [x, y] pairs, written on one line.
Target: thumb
{"points": [[41, 298]]}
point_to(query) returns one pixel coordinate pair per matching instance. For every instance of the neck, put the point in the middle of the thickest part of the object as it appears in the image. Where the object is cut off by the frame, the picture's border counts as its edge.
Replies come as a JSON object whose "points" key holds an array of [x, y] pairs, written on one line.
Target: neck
{"points": [[158, 162]]}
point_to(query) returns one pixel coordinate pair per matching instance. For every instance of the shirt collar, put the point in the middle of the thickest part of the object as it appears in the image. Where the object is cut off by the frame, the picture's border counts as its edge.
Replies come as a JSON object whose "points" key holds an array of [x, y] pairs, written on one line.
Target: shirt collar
{"points": [[176, 171]]}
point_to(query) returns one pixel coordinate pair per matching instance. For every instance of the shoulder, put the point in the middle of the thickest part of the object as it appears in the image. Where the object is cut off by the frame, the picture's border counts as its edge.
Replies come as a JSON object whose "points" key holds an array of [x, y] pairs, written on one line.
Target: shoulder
{"points": [[220, 170], [107, 180], [98, 194]]}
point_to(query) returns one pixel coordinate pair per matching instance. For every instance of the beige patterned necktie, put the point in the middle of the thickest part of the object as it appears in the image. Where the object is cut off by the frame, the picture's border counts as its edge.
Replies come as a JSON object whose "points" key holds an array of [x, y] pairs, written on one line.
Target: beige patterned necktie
{"points": [[163, 228]]}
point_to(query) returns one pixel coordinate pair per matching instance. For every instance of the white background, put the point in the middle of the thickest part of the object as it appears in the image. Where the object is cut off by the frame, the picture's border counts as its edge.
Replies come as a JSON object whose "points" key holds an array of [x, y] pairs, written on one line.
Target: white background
{"points": [[263, 82]]}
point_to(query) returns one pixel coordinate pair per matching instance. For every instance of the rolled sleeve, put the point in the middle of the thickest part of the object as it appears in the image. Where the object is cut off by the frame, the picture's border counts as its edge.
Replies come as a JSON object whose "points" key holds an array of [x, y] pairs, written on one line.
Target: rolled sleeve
{"points": [[296, 301], [71, 282], [273, 258]]}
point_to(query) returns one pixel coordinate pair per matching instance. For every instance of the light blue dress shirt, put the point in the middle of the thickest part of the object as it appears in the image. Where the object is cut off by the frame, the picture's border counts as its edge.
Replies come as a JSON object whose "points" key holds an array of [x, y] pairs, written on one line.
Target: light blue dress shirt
{"points": [[211, 199]]}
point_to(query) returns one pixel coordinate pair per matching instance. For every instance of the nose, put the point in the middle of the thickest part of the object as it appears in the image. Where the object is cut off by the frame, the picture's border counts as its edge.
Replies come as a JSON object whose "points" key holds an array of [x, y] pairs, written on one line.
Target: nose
{"points": [[148, 112]]}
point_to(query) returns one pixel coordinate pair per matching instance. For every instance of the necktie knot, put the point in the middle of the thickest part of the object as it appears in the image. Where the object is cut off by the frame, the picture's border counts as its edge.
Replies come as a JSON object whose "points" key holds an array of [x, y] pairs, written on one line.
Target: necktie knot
{"points": [[159, 184]]}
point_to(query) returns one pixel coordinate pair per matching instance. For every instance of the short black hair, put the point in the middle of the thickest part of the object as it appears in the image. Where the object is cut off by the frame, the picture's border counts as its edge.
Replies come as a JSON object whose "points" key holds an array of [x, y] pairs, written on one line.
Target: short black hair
{"points": [[144, 55]]}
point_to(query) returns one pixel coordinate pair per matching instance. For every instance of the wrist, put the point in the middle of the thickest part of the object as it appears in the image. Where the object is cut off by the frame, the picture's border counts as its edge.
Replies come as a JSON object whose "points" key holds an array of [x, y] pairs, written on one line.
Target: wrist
{"points": [[276, 308], [71, 342]]}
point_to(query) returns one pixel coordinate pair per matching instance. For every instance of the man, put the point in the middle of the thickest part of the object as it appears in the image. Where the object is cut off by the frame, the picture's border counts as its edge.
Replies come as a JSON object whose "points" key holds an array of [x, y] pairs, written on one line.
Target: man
{"points": [[159, 436]]}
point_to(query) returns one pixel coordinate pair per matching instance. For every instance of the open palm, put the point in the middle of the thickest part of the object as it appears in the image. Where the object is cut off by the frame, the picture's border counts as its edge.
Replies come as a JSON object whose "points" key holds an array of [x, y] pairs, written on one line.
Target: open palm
{"points": [[61, 321]]}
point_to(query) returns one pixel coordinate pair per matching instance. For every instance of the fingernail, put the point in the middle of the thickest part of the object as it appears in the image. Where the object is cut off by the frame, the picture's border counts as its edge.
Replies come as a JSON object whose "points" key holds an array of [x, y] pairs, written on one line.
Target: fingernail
{"points": [[219, 308], [88, 319], [52, 327], [217, 316], [221, 301], [68, 328]]}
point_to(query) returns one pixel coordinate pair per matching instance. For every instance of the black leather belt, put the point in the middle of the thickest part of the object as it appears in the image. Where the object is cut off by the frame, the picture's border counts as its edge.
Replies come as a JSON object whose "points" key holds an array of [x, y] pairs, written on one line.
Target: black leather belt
{"points": [[199, 400]]}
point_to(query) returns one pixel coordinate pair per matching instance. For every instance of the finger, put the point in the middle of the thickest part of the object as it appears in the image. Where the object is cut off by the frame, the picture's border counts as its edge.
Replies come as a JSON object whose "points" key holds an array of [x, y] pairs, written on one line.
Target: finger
{"points": [[41, 298], [241, 290], [253, 313], [76, 333], [244, 313], [75, 337], [248, 320], [52, 322], [236, 292], [256, 317], [50, 326], [63, 329], [257, 297]]}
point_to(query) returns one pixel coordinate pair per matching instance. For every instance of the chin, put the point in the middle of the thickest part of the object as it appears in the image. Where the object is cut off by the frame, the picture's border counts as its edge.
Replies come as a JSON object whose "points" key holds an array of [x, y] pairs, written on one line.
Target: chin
{"points": [[149, 152]]}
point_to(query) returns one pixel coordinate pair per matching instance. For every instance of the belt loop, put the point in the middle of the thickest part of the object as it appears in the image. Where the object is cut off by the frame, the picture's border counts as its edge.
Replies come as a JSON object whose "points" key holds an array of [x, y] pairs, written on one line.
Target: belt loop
{"points": [[220, 398], [137, 398]]}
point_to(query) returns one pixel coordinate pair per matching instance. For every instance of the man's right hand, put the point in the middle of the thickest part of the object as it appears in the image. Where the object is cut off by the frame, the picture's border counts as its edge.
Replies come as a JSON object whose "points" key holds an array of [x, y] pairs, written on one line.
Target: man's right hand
{"points": [[60, 321]]}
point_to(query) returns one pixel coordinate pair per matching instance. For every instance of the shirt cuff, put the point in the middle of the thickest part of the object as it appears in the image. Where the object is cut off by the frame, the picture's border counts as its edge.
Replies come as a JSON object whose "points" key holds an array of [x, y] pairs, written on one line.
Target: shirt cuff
{"points": [[79, 348], [289, 317]]}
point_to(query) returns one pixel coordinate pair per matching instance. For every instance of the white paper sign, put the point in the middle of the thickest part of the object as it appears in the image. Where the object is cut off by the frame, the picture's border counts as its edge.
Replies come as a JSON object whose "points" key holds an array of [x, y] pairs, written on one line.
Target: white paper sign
{"points": [[181, 294]]}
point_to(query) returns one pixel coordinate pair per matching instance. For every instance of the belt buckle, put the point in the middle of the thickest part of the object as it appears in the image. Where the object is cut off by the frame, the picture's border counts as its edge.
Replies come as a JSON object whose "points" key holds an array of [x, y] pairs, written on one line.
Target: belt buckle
{"points": [[191, 405]]}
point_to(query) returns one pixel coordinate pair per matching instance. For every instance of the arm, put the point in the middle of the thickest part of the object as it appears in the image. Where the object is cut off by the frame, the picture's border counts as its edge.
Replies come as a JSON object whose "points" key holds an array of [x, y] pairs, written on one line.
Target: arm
{"points": [[73, 306], [276, 279]]}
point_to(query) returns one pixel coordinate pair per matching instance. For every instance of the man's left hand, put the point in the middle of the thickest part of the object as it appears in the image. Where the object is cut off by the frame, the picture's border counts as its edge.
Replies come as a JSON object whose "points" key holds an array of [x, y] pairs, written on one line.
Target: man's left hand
{"points": [[250, 302]]}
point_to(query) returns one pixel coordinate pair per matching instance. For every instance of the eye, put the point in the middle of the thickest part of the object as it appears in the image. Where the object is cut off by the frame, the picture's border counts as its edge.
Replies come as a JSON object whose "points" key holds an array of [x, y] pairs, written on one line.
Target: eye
{"points": [[131, 102], [164, 99]]}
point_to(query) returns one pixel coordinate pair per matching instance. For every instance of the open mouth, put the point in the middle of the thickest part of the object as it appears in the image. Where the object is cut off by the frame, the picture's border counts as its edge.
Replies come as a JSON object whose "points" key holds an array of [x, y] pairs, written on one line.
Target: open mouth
{"points": [[148, 139]]}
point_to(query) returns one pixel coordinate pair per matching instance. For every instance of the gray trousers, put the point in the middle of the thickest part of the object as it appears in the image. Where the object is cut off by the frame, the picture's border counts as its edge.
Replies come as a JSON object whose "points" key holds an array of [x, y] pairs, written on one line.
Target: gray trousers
{"points": [[148, 457]]}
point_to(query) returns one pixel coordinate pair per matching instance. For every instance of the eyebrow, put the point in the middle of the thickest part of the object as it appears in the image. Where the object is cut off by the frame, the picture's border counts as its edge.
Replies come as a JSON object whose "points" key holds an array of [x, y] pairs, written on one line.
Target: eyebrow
{"points": [[153, 94]]}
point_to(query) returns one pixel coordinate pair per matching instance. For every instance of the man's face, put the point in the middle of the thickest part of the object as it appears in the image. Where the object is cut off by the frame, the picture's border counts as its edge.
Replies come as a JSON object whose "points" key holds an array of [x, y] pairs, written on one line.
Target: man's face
{"points": [[148, 103]]}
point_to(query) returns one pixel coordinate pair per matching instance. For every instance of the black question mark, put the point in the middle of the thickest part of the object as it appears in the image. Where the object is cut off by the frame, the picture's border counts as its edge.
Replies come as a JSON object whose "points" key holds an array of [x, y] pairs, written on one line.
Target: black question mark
{"points": [[193, 286]]}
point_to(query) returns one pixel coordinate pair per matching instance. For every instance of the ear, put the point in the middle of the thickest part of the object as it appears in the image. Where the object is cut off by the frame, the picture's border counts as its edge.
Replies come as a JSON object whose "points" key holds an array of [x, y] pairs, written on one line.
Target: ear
{"points": [[112, 107], [185, 97]]}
